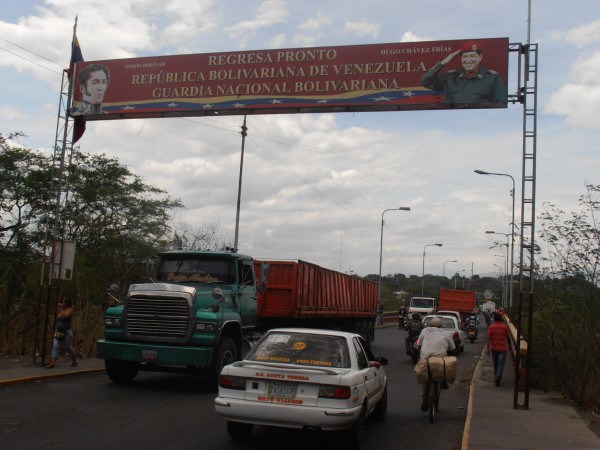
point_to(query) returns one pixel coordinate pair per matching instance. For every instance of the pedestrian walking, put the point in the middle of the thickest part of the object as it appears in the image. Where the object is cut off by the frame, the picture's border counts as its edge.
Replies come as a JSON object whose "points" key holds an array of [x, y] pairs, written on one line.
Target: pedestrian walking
{"points": [[498, 336], [63, 333]]}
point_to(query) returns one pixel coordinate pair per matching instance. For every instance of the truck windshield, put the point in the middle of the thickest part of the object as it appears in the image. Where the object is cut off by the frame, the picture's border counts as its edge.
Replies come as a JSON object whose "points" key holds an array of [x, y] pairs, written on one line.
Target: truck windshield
{"points": [[421, 303], [196, 270]]}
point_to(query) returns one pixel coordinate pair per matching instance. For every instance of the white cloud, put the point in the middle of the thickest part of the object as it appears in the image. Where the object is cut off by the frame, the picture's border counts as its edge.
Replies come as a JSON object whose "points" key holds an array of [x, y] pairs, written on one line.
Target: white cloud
{"points": [[578, 100], [409, 36], [362, 29], [315, 23], [584, 35], [269, 13]]}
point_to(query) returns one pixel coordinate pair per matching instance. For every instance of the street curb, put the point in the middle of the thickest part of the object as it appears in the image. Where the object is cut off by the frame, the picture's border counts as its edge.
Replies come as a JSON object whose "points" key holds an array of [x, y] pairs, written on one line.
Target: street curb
{"points": [[14, 381], [467, 429]]}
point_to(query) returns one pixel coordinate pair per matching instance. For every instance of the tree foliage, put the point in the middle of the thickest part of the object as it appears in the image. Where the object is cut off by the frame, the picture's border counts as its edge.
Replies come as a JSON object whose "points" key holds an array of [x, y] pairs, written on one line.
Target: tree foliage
{"points": [[115, 218], [566, 327]]}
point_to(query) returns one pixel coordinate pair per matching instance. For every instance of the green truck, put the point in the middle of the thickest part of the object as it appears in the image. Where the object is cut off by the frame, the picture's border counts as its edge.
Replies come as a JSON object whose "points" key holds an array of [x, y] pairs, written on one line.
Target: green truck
{"points": [[205, 309]]}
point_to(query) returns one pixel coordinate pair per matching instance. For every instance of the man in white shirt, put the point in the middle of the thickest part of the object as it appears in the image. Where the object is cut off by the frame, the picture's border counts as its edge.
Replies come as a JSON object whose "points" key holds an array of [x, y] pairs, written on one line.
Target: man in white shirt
{"points": [[433, 341]]}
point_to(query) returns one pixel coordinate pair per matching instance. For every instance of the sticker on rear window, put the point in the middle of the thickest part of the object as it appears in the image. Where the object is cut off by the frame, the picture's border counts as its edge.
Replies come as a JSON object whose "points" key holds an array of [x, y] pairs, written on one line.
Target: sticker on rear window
{"points": [[299, 345], [278, 338]]}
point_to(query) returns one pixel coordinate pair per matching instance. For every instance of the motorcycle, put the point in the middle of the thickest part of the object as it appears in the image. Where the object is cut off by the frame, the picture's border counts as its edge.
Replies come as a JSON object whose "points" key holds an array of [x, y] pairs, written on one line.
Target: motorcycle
{"points": [[471, 333], [413, 349], [401, 323]]}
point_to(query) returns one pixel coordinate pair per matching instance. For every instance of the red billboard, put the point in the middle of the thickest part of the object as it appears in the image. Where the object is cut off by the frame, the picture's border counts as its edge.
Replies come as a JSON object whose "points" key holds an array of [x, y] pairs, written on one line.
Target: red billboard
{"points": [[374, 77]]}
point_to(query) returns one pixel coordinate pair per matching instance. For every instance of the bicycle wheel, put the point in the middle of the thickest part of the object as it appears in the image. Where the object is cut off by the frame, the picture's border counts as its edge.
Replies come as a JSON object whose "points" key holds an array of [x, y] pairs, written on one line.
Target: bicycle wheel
{"points": [[433, 400]]}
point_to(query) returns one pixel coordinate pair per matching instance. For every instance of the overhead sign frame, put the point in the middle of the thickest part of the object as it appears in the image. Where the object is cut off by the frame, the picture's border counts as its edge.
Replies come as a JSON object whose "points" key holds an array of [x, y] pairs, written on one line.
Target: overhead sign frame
{"points": [[372, 77]]}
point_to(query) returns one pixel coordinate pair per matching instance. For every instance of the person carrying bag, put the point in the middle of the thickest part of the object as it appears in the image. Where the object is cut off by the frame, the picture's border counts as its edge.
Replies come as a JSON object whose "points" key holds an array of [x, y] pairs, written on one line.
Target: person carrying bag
{"points": [[63, 333]]}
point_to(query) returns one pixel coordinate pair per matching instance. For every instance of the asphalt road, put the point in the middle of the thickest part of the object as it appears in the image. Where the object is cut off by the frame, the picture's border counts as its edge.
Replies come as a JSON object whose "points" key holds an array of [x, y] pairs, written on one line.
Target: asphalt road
{"points": [[174, 411]]}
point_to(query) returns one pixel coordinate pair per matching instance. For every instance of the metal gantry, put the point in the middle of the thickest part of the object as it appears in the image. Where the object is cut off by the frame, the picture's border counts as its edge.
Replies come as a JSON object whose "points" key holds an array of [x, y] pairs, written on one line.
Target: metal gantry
{"points": [[54, 229], [527, 96]]}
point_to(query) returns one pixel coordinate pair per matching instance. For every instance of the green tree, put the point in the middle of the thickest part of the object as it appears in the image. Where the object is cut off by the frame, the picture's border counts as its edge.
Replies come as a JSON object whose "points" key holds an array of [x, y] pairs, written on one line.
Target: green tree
{"points": [[566, 328], [115, 218]]}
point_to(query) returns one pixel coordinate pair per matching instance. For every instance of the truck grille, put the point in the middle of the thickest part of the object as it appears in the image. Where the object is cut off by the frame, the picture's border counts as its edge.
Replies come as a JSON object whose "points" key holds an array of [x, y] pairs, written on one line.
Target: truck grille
{"points": [[158, 318]]}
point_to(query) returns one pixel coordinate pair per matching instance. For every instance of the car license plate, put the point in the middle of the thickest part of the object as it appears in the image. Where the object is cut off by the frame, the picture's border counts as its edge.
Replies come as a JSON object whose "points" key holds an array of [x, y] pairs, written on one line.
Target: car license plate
{"points": [[281, 390], [150, 354]]}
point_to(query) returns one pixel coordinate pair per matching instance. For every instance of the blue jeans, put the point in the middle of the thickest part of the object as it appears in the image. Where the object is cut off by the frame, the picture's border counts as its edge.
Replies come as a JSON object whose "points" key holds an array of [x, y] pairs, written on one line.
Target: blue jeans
{"points": [[67, 341], [499, 359]]}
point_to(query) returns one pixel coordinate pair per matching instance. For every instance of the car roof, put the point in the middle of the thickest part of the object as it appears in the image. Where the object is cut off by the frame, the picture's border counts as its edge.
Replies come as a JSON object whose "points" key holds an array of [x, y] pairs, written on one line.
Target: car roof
{"points": [[442, 317], [345, 334]]}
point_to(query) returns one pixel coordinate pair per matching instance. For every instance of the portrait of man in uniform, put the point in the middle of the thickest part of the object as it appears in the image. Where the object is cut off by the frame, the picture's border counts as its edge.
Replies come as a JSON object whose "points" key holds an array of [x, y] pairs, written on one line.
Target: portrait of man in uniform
{"points": [[93, 82], [473, 83]]}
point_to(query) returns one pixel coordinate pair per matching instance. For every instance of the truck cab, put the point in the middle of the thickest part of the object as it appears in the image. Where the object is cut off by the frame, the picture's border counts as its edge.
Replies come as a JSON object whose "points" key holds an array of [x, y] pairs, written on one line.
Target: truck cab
{"points": [[191, 319], [424, 306]]}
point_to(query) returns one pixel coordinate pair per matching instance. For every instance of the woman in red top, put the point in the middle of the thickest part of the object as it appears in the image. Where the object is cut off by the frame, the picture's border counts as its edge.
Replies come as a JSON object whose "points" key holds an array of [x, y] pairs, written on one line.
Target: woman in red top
{"points": [[497, 342]]}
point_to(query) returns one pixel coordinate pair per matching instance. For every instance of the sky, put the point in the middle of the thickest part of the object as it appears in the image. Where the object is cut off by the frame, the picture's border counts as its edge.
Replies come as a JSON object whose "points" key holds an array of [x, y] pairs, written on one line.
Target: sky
{"points": [[315, 186]]}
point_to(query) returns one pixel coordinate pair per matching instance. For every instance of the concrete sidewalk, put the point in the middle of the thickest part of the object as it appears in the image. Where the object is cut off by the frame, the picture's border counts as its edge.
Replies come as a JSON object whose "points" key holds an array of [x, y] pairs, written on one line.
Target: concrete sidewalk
{"points": [[550, 422], [22, 369]]}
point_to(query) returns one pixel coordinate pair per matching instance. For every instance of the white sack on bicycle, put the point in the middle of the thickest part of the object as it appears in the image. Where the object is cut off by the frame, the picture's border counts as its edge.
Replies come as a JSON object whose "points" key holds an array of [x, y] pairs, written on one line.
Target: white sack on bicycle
{"points": [[441, 367]]}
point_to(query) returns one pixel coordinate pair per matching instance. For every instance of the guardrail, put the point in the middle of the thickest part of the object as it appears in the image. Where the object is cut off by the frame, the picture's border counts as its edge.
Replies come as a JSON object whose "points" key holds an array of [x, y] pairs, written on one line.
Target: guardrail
{"points": [[520, 347]]}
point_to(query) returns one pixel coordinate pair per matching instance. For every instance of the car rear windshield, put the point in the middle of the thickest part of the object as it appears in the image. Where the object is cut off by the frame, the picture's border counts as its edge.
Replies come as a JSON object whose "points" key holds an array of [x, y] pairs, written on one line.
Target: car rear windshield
{"points": [[305, 349], [446, 322]]}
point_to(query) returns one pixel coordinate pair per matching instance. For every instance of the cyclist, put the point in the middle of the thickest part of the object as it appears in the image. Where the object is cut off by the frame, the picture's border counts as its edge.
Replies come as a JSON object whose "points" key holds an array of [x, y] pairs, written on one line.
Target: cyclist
{"points": [[433, 341]]}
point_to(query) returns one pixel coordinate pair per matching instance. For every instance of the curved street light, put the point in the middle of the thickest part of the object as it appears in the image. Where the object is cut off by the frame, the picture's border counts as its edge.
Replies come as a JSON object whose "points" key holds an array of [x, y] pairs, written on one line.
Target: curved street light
{"points": [[463, 270], [512, 232], [423, 276], [401, 208], [507, 287], [444, 267]]}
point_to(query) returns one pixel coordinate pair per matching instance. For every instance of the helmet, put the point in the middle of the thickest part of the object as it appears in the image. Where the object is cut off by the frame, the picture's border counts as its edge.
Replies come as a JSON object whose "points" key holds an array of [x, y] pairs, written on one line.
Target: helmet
{"points": [[416, 316], [436, 322]]}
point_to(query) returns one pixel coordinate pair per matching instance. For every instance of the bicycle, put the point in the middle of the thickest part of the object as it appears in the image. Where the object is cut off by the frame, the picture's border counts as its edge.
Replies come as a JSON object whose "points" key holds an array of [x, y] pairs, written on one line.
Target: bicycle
{"points": [[435, 390]]}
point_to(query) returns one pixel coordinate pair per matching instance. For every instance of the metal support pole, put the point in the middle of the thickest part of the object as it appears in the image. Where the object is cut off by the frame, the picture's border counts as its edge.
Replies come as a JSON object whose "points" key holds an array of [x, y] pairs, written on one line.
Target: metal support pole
{"points": [[237, 211]]}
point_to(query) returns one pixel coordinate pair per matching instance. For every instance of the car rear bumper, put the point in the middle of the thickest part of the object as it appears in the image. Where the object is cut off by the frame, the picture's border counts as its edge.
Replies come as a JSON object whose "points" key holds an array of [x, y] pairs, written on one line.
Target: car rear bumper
{"points": [[288, 416]]}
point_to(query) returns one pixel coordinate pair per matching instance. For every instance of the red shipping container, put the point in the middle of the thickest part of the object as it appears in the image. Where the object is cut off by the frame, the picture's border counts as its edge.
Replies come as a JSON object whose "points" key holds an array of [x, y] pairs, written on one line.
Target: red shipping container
{"points": [[299, 289]]}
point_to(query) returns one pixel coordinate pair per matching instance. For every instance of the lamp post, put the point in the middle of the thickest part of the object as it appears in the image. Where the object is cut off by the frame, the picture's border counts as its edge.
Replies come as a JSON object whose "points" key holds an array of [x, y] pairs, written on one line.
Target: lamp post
{"points": [[444, 267], [503, 285], [507, 301], [512, 232], [423, 277], [463, 270], [401, 208]]}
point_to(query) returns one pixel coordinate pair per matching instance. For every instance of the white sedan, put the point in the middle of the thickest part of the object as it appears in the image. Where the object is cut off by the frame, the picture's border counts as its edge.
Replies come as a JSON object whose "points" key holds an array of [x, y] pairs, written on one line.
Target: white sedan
{"points": [[451, 326], [306, 379]]}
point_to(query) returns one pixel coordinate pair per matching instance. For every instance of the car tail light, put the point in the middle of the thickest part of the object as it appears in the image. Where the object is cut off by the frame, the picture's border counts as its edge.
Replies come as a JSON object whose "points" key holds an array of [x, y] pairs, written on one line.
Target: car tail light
{"points": [[332, 391], [230, 382], [455, 336]]}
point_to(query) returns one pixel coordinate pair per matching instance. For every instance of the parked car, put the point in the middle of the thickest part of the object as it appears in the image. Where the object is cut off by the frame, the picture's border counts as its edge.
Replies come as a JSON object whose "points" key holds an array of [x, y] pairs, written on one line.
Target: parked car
{"points": [[451, 326], [306, 379]]}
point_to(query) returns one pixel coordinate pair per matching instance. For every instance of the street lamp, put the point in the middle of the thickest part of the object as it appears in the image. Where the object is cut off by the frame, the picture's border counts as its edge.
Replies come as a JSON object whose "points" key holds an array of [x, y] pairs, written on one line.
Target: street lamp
{"points": [[444, 267], [401, 208], [423, 277], [512, 232], [507, 302], [503, 285], [463, 270]]}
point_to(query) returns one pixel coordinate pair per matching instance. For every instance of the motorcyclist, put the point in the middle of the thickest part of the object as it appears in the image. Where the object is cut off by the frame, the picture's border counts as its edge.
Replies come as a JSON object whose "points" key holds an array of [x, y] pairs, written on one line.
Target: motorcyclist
{"points": [[401, 317], [472, 321], [414, 329]]}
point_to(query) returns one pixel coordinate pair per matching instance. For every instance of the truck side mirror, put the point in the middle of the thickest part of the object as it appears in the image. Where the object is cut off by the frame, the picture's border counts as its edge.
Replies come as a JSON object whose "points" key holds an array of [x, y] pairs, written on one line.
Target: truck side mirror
{"points": [[112, 293], [264, 271]]}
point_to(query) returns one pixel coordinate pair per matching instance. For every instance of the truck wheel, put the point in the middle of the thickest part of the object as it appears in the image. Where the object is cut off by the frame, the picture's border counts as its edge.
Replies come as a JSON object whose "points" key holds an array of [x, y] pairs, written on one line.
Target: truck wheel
{"points": [[121, 371], [226, 353]]}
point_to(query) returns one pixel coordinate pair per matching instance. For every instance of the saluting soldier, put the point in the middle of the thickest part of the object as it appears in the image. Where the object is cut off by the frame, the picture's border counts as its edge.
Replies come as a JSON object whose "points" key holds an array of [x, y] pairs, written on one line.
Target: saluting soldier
{"points": [[474, 83]]}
